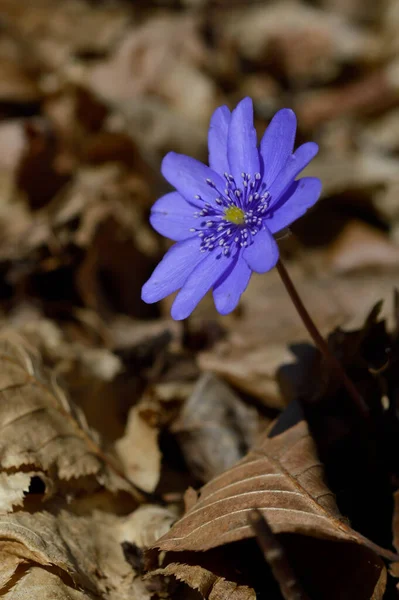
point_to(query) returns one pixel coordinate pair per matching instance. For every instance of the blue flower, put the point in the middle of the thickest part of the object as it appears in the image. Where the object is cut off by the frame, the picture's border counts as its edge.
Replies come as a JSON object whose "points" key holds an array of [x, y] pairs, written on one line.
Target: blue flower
{"points": [[223, 217]]}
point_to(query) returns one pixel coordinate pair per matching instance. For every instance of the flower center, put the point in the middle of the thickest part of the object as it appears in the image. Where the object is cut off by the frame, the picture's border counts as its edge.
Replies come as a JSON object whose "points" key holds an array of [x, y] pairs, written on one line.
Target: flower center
{"points": [[235, 215]]}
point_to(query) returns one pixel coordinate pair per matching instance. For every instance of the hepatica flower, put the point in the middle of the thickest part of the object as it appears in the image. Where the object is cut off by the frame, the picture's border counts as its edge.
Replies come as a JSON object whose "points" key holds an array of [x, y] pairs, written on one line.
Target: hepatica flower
{"points": [[224, 217]]}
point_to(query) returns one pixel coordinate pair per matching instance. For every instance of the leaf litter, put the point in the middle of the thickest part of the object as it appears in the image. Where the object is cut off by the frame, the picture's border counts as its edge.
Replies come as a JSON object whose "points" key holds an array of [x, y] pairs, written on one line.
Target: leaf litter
{"points": [[113, 416]]}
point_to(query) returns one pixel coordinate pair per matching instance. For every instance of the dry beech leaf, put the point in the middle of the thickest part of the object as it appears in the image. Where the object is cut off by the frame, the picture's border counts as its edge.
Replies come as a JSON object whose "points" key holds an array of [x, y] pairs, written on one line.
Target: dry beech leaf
{"points": [[42, 429], [361, 246], [84, 550], [215, 428], [309, 42], [54, 31], [256, 343], [146, 524], [13, 487], [138, 450], [283, 478], [40, 584], [253, 371], [210, 586], [164, 57]]}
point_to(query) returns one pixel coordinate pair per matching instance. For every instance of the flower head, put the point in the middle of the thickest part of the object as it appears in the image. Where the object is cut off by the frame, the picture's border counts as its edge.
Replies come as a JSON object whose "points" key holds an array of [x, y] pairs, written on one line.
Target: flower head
{"points": [[224, 217]]}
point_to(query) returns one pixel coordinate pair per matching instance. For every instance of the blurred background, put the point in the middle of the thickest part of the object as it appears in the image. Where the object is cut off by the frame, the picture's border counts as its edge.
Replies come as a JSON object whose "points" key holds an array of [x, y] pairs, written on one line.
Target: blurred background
{"points": [[92, 95]]}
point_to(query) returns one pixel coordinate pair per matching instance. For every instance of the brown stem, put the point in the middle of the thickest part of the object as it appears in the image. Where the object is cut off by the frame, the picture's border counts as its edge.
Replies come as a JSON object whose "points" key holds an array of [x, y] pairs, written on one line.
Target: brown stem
{"points": [[276, 557], [320, 341]]}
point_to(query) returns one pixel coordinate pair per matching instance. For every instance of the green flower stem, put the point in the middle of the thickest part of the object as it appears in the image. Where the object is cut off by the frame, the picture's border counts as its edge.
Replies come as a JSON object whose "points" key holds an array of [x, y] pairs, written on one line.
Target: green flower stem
{"points": [[320, 341]]}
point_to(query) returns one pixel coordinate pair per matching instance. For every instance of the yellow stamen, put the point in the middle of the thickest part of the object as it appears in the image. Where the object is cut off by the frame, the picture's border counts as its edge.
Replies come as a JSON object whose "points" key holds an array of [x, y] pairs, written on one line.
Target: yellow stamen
{"points": [[234, 215]]}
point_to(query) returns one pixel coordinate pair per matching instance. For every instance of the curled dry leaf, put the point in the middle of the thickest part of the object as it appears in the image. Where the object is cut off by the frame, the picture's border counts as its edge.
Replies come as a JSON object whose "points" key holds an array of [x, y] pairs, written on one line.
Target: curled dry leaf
{"points": [[42, 429], [215, 428], [209, 585], [138, 450], [283, 478], [147, 524]]}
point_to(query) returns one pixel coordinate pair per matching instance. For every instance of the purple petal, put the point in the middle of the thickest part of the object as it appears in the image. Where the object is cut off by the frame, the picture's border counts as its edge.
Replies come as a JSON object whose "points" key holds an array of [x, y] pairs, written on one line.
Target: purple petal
{"points": [[217, 140], [227, 291], [189, 177], [263, 254], [242, 148], [295, 164], [277, 144], [173, 270], [200, 281], [173, 217], [300, 196]]}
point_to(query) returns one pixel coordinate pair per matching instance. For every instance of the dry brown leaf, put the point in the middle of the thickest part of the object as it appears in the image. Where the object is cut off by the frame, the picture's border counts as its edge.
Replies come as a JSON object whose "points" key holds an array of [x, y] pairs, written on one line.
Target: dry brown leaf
{"points": [[347, 170], [159, 129], [12, 490], [86, 550], [253, 371], [54, 31], [361, 246], [321, 39], [283, 477], [15, 486], [215, 428], [256, 343], [87, 373], [146, 525], [42, 429], [16, 84], [161, 57], [41, 584], [138, 450], [12, 143], [210, 586]]}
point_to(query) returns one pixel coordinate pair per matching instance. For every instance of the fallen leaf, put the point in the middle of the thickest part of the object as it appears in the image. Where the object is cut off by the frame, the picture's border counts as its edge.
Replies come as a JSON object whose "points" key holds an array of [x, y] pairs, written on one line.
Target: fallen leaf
{"points": [[12, 490], [282, 30], [283, 478], [209, 585], [16, 83], [162, 57], [253, 371], [255, 346], [39, 175], [42, 584], [361, 246], [43, 429], [146, 525], [138, 450], [83, 552], [55, 32], [215, 428]]}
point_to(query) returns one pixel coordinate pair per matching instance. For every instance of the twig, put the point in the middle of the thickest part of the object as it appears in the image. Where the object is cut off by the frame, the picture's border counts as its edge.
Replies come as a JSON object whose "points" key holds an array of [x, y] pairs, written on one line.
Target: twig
{"points": [[320, 341], [276, 558]]}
